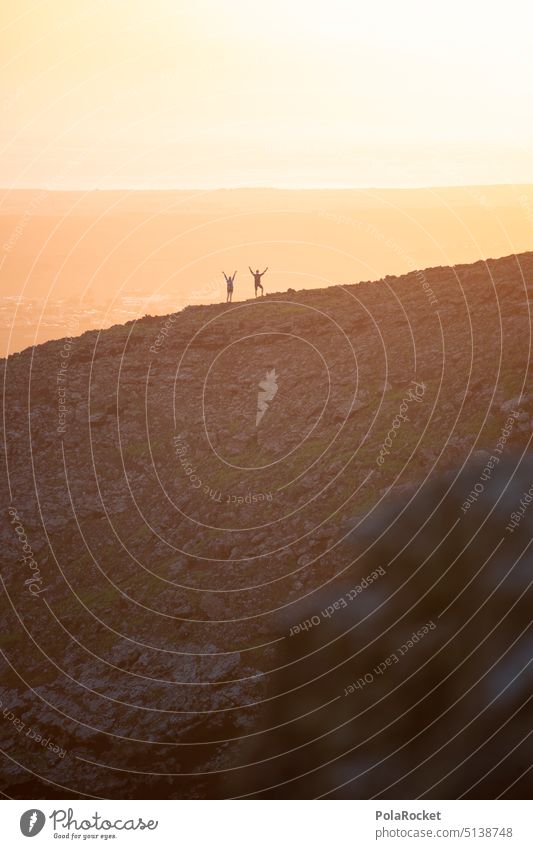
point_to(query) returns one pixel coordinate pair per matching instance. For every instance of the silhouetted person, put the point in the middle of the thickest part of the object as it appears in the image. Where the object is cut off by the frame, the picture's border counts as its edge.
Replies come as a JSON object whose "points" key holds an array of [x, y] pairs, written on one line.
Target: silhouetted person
{"points": [[257, 279], [229, 285]]}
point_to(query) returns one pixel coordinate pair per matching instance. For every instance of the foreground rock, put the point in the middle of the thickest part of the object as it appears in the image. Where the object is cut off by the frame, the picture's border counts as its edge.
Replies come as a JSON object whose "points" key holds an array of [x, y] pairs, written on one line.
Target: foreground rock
{"points": [[172, 542]]}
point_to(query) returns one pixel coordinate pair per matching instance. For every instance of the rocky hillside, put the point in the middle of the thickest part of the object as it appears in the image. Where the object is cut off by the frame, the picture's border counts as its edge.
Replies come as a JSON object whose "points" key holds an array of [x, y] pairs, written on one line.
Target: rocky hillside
{"points": [[181, 492]]}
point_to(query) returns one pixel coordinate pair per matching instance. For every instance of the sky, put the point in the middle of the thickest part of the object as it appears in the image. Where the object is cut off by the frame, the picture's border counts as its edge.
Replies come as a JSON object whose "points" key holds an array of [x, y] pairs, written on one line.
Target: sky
{"points": [[282, 93]]}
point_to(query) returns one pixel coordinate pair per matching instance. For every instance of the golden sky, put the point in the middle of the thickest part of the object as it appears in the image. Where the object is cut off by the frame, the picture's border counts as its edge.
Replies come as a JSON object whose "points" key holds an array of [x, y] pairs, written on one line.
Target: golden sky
{"points": [[289, 93]]}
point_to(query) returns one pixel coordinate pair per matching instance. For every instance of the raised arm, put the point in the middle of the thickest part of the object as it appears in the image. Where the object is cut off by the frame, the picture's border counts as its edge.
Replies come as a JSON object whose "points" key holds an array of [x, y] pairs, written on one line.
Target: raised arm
{"points": [[234, 275], [225, 275], [265, 271], [251, 272]]}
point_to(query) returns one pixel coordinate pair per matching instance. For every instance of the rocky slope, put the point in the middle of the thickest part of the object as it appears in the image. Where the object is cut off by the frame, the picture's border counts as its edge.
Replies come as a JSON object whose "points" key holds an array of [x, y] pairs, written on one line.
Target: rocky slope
{"points": [[161, 543]]}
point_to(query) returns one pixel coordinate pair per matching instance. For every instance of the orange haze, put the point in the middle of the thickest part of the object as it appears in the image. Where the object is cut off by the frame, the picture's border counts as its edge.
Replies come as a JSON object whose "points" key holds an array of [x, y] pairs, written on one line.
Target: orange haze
{"points": [[106, 257]]}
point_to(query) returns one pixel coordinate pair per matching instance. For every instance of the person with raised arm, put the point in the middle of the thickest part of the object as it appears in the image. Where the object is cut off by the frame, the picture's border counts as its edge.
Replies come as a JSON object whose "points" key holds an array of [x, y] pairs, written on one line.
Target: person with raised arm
{"points": [[257, 279], [229, 286]]}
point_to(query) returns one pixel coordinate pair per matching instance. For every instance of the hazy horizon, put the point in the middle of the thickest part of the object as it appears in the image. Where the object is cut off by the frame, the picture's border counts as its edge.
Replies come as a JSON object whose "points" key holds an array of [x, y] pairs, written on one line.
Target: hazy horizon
{"points": [[266, 269], [145, 149], [248, 94], [275, 188], [103, 257]]}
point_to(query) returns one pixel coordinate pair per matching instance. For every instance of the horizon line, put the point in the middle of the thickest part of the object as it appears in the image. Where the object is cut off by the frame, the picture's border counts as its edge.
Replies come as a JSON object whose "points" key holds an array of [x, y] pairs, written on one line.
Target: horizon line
{"points": [[330, 188]]}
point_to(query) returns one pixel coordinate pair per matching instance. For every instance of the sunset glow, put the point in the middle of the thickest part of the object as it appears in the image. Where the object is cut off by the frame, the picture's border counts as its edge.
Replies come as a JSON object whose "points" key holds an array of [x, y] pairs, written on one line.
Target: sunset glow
{"points": [[207, 94]]}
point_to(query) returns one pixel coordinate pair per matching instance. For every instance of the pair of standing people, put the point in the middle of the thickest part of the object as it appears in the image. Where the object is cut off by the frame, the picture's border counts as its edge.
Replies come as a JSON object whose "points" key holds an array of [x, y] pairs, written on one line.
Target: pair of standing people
{"points": [[257, 282]]}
